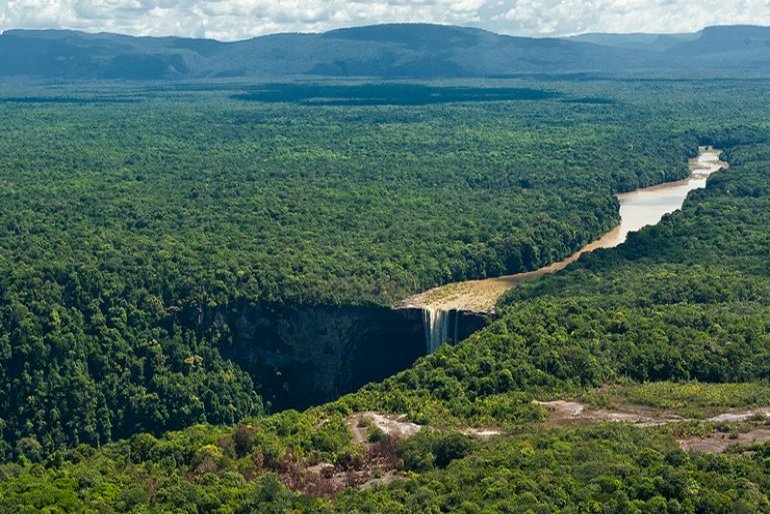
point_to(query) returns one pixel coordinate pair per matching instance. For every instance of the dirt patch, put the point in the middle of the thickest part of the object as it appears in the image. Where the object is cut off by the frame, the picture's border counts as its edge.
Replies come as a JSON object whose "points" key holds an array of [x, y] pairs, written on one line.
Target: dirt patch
{"points": [[397, 426], [565, 412], [560, 411], [719, 442], [392, 425], [744, 415], [481, 433]]}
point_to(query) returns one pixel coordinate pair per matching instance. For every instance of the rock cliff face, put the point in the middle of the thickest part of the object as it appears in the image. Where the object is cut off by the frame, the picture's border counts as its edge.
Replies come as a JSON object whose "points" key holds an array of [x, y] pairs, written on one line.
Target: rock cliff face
{"points": [[305, 355]]}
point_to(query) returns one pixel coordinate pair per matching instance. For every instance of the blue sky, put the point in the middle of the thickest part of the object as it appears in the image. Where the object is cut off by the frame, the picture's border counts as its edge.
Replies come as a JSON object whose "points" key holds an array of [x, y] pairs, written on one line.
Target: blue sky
{"points": [[240, 19]]}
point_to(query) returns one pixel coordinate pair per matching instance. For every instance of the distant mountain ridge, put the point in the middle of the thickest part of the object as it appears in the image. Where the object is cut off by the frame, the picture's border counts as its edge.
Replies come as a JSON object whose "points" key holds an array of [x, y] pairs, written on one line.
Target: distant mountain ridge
{"points": [[393, 51], [635, 41]]}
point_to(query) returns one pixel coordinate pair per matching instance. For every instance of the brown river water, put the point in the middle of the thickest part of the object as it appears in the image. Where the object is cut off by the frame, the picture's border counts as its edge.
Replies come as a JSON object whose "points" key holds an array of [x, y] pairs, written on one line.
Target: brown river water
{"points": [[639, 208]]}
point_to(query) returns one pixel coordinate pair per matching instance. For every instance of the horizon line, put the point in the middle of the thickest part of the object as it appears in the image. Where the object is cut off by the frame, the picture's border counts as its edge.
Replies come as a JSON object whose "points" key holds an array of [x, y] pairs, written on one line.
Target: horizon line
{"points": [[371, 25]]}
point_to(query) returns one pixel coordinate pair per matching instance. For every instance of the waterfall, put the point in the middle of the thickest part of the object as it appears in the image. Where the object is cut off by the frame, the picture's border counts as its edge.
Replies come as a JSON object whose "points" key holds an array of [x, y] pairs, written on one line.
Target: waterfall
{"points": [[436, 323]]}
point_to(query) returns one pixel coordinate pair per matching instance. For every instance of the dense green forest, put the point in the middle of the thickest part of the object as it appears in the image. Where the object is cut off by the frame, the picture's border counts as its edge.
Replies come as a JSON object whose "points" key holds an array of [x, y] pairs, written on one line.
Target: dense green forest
{"points": [[675, 320], [123, 222]]}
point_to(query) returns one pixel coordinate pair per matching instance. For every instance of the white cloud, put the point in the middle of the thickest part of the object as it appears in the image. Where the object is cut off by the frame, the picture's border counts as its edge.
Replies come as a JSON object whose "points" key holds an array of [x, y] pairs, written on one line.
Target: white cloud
{"points": [[549, 17], [239, 19]]}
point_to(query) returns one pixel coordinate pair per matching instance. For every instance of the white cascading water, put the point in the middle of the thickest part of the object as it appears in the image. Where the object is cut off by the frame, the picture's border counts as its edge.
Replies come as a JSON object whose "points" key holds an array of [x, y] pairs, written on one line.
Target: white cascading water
{"points": [[436, 325]]}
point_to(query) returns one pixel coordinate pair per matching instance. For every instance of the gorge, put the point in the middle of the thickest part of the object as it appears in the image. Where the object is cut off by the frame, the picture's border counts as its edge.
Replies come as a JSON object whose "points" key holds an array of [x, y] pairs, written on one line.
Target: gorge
{"points": [[305, 355]]}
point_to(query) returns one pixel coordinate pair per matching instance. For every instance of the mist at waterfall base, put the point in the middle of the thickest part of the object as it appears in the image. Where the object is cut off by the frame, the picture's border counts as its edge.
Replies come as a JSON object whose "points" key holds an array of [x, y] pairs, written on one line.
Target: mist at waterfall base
{"points": [[299, 356]]}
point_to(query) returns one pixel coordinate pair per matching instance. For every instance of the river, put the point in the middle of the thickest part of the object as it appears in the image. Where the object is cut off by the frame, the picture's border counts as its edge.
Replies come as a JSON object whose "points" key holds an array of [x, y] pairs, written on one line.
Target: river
{"points": [[308, 355], [638, 208]]}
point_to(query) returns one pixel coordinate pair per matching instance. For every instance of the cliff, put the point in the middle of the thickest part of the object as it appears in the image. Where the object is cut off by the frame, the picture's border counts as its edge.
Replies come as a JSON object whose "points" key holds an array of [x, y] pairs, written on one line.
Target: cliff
{"points": [[305, 355]]}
